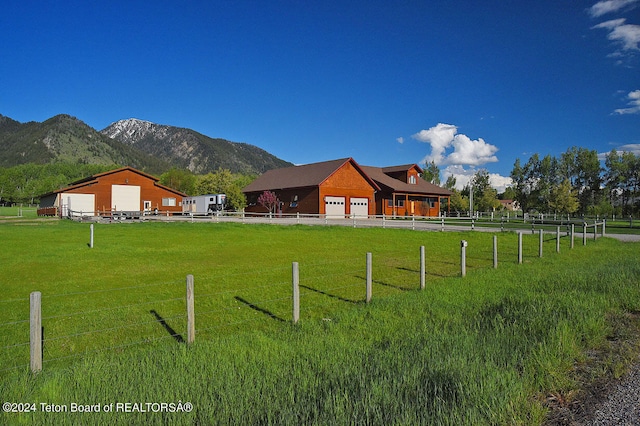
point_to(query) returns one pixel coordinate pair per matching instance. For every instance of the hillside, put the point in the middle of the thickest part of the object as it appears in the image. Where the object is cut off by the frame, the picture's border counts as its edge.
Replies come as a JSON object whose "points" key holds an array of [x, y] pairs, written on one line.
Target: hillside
{"points": [[146, 146], [66, 139], [191, 150]]}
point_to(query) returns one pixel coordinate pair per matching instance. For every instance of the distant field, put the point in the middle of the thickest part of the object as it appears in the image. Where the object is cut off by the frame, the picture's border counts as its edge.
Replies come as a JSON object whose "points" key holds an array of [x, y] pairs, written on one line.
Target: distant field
{"points": [[486, 349], [18, 212]]}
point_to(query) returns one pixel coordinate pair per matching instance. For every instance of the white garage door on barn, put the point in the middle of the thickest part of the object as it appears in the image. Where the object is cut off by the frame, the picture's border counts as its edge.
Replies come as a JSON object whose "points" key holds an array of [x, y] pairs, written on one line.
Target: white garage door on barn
{"points": [[77, 204], [125, 198], [334, 207], [359, 207]]}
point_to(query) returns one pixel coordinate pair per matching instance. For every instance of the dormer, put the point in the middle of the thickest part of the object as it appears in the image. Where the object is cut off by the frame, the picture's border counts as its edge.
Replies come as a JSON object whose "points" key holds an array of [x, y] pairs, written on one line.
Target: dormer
{"points": [[408, 173]]}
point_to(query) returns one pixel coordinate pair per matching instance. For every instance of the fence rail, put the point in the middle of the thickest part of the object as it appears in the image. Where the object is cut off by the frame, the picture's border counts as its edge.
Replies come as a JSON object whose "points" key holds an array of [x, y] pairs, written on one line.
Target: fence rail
{"points": [[442, 223], [285, 295]]}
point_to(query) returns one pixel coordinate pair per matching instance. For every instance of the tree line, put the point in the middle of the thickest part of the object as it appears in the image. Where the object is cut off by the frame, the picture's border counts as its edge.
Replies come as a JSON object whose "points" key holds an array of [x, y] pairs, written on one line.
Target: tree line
{"points": [[25, 183], [573, 183], [576, 183]]}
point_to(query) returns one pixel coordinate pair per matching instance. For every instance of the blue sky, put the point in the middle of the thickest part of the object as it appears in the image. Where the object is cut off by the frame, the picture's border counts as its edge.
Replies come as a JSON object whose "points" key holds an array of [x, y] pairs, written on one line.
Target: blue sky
{"points": [[468, 84]]}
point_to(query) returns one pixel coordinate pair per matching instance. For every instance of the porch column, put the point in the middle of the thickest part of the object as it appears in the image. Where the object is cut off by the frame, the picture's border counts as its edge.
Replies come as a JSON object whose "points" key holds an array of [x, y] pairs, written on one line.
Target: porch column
{"points": [[393, 204]]}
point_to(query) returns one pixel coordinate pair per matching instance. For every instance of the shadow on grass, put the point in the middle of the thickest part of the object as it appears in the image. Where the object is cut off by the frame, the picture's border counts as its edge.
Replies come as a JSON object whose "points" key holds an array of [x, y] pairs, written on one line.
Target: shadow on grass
{"points": [[259, 309], [395, 286], [427, 273], [331, 295], [167, 327]]}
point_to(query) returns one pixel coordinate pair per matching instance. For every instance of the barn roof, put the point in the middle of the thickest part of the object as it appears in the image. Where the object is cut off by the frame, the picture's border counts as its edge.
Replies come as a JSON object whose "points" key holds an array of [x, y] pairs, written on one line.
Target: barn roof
{"points": [[307, 175], [92, 179], [380, 176]]}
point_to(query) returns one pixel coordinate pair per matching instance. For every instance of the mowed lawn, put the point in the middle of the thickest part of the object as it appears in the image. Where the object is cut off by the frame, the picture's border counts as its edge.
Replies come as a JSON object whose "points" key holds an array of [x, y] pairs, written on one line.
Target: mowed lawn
{"points": [[484, 349]]}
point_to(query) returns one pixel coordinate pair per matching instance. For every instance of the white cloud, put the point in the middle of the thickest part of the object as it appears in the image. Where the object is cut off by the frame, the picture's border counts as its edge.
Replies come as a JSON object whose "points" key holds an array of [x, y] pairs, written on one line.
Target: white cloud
{"points": [[627, 34], [634, 104], [608, 6], [439, 137], [400, 139], [456, 150], [610, 25], [470, 152], [633, 148], [466, 151], [462, 175], [499, 182]]}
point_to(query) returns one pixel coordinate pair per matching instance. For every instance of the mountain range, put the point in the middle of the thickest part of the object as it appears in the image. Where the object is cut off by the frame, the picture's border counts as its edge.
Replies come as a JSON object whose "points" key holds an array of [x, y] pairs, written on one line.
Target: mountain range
{"points": [[147, 146]]}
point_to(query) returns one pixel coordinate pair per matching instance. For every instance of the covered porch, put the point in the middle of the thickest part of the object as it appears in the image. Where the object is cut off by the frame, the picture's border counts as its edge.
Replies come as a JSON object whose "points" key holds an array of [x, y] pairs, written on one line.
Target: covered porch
{"points": [[408, 204]]}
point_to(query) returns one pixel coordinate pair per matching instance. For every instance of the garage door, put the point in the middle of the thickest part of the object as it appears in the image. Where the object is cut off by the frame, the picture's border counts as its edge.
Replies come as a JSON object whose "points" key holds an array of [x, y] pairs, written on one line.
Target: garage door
{"points": [[359, 207], [125, 198], [78, 204], [334, 207]]}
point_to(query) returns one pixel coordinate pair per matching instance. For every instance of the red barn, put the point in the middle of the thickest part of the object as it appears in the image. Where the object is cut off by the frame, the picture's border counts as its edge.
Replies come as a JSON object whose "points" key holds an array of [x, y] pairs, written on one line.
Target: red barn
{"points": [[120, 190]]}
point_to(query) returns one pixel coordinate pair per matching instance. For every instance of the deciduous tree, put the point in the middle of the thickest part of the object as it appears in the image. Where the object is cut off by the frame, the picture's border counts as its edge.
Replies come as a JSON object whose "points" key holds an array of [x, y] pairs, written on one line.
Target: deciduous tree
{"points": [[269, 200]]}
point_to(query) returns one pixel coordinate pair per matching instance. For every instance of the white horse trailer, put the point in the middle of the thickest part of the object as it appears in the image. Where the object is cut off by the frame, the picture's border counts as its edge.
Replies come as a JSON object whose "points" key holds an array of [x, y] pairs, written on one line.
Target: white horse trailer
{"points": [[203, 204]]}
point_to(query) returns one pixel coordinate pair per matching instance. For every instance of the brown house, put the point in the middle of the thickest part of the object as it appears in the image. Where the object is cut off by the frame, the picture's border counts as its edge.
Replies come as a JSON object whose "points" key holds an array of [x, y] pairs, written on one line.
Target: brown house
{"points": [[335, 188], [342, 188], [120, 190]]}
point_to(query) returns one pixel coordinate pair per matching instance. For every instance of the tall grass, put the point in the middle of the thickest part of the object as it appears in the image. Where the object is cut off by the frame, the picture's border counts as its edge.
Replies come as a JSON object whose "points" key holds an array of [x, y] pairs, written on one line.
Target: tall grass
{"points": [[485, 349]]}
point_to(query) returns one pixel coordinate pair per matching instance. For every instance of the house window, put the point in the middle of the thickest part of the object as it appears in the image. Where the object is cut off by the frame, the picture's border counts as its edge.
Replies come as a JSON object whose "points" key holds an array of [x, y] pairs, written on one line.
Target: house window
{"points": [[168, 202], [412, 179], [400, 202]]}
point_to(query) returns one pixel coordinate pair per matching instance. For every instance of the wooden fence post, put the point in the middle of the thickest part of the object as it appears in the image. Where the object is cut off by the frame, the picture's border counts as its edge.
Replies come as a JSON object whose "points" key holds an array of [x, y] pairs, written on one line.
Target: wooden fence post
{"points": [[369, 278], [519, 247], [541, 243], [422, 268], [495, 252], [463, 258], [35, 332], [191, 316], [558, 239], [572, 232], [584, 234], [595, 230], [295, 280], [91, 238]]}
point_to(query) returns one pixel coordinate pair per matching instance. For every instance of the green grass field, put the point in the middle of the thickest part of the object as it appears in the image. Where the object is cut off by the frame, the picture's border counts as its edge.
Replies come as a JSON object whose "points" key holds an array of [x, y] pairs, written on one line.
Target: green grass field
{"points": [[484, 349], [18, 213]]}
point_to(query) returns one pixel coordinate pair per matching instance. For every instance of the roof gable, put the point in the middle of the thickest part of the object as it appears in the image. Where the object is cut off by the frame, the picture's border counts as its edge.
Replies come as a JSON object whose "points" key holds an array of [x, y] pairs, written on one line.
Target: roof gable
{"points": [[94, 178], [380, 176], [402, 168], [308, 175], [114, 171]]}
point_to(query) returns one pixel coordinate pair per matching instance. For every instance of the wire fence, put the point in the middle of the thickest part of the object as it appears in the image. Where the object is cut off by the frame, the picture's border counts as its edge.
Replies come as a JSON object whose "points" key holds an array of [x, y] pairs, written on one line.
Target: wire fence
{"points": [[79, 323]]}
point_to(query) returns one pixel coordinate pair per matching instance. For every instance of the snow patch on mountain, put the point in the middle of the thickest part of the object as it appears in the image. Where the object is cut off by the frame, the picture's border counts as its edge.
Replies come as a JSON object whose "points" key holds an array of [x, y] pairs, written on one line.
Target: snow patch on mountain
{"points": [[133, 130]]}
